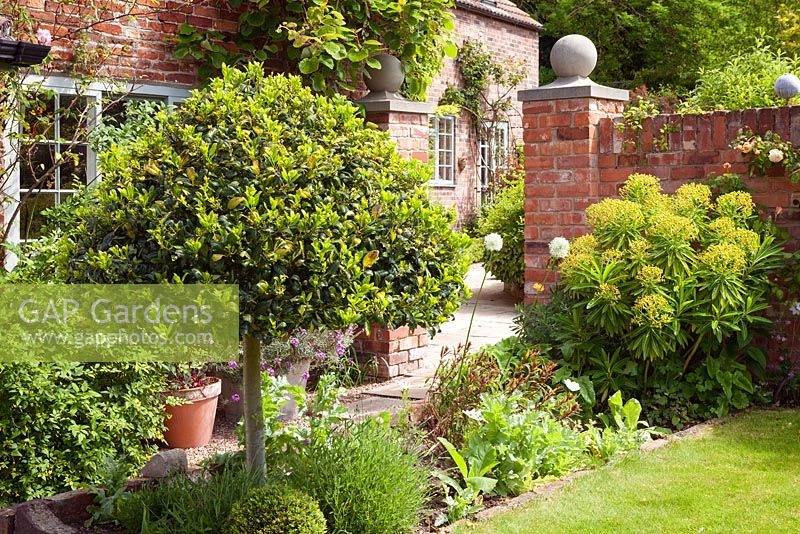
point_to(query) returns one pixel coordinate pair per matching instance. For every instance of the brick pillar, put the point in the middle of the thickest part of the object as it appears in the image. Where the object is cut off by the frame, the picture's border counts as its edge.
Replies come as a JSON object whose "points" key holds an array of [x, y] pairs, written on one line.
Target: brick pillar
{"points": [[406, 122], [563, 127], [398, 351]]}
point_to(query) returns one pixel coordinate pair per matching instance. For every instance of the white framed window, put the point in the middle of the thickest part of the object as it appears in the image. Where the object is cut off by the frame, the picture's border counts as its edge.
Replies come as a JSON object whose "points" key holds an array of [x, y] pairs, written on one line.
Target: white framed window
{"points": [[60, 145], [54, 157], [492, 150], [443, 149]]}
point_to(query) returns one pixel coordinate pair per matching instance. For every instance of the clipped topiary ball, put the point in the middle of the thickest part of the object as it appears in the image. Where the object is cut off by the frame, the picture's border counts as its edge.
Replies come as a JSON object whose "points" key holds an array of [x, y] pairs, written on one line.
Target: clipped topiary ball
{"points": [[276, 510]]}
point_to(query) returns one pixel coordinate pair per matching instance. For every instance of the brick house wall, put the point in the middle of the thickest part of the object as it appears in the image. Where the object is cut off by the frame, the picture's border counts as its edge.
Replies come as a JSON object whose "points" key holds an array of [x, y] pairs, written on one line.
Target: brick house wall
{"points": [[142, 53], [138, 35], [506, 41]]}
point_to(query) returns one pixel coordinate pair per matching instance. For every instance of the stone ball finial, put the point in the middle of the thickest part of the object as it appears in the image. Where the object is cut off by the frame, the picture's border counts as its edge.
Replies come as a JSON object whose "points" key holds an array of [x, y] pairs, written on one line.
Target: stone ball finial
{"points": [[573, 55], [388, 78], [787, 86]]}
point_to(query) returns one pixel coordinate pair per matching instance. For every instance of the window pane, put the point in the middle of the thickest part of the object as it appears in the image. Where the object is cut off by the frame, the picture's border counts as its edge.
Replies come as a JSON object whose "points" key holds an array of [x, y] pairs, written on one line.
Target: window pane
{"points": [[39, 116], [30, 214], [73, 170], [73, 117], [35, 161]]}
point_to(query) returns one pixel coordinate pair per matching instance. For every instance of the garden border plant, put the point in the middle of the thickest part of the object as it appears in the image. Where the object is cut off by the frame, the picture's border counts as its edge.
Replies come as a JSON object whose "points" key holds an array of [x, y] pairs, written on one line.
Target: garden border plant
{"points": [[664, 300]]}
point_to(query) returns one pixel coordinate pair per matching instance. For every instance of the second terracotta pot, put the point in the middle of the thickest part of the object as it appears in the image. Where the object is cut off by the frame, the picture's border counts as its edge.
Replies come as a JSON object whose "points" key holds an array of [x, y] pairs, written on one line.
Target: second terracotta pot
{"points": [[191, 424]]}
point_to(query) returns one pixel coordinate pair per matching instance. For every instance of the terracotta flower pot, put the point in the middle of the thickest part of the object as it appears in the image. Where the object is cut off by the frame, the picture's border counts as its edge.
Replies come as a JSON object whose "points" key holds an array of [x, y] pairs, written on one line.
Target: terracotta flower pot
{"points": [[191, 424]]}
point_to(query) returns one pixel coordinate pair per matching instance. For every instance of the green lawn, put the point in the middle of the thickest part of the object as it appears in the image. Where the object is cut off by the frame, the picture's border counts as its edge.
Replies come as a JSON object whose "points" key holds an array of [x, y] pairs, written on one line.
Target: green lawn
{"points": [[742, 476]]}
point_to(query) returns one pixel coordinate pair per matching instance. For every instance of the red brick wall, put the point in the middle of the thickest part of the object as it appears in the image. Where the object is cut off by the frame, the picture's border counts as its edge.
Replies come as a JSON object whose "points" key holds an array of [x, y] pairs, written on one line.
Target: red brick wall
{"points": [[575, 155], [392, 352]]}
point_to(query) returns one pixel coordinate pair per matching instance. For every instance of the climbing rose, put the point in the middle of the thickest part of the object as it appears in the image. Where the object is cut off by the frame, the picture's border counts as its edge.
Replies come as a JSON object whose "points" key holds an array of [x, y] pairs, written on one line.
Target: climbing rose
{"points": [[44, 37], [493, 242], [559, 247], [775, 155]]}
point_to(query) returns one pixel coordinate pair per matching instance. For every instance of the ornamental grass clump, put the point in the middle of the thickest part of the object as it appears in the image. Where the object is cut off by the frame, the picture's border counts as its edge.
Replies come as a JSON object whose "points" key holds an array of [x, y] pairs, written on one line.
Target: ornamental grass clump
{"points": [[664, 282]]}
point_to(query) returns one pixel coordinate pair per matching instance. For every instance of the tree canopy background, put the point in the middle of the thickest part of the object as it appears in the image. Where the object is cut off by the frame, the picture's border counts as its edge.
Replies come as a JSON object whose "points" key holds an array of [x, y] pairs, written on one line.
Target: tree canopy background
{"points": [[665, 42]]}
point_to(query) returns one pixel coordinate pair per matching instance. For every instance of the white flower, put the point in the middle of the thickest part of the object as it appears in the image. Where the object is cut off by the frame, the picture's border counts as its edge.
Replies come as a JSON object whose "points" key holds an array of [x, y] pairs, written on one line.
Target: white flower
{"points": [[572, 385], [475, 415], [795, 308], [493, 242], [44, 37], [775, 155], [559, 247]]}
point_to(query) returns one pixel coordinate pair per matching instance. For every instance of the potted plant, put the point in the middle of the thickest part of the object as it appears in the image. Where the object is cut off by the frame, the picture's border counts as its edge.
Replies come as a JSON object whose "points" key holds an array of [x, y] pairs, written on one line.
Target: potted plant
{"points": [[296, 356], [191, 407]]}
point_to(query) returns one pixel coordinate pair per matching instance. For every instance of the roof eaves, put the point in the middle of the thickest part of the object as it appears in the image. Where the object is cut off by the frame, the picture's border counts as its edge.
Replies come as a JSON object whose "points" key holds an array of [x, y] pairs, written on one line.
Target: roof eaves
{"points": [[498, 13]]}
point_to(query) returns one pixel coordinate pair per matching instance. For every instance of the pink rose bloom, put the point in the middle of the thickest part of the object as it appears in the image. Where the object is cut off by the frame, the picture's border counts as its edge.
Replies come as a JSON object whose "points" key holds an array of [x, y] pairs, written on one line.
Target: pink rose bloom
{"points": [[44, 37]]}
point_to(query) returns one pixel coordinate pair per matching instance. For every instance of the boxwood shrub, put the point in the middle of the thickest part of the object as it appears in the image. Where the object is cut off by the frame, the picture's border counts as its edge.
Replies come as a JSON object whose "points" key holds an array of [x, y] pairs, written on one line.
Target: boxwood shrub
{"points": [[276, 510]]}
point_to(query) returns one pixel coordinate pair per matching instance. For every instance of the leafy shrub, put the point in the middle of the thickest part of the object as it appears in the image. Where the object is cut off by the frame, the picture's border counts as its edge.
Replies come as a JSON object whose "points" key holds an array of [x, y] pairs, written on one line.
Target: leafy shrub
{"points": [[137, 118], [506, 216], [276, 510], [183, 503], [474, 251], [511, 444], [745, 81], [63, 421], [661, 285], [60, 422], [366, 478], [509, 366], [256, 181]]}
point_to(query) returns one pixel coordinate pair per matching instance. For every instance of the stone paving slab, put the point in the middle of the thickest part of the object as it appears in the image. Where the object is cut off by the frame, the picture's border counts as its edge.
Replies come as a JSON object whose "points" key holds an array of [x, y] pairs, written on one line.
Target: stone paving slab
{"points": [[494, 320]]}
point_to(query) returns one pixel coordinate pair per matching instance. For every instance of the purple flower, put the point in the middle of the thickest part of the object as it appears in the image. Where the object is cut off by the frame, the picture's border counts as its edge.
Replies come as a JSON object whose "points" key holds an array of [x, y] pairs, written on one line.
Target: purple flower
{"points": [[294, 342], [303, 332], [263, 365], [278, 361], [232, 365], [339, 348], [320, 355], [235, 397], [305, 375], [271, 371], [350, 361]]}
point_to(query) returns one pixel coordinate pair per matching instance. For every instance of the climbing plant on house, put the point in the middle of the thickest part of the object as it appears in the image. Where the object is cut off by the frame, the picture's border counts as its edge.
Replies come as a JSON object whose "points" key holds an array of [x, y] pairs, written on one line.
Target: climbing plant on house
{"points": [[330, 42], [487, 96]]}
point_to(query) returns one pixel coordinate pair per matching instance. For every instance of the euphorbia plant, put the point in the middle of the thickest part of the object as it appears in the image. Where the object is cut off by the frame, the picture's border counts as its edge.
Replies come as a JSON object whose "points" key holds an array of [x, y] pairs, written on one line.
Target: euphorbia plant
{"points": [[255, 181]]}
